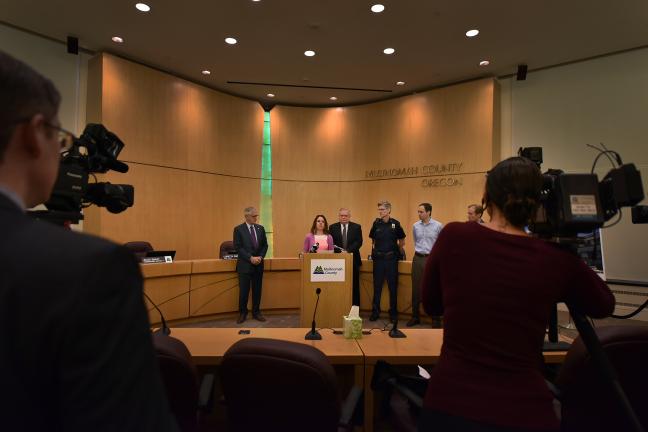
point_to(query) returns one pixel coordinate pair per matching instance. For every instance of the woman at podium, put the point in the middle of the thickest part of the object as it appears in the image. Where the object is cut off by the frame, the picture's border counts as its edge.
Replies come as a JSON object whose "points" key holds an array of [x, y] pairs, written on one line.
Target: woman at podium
{"points": [[319, 238]]}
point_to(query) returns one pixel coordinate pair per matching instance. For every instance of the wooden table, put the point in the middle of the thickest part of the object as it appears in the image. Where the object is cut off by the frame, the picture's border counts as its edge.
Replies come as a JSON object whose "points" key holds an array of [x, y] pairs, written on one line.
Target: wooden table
{"points": [[208, 345], [421, 347]]}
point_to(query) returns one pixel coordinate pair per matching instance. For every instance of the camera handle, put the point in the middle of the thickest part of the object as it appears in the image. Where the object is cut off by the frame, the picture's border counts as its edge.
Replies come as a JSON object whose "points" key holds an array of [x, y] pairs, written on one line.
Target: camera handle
{"points": [[595, 349]]}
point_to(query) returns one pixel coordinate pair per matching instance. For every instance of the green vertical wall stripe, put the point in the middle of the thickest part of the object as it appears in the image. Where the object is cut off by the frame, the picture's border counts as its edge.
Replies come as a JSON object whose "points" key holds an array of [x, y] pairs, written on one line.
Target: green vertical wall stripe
{"points": [[266, 185]]}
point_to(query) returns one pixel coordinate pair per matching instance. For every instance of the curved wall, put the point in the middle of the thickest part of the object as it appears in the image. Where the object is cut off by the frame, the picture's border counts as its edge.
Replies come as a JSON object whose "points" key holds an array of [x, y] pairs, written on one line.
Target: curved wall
{"points": [[195, 158]]}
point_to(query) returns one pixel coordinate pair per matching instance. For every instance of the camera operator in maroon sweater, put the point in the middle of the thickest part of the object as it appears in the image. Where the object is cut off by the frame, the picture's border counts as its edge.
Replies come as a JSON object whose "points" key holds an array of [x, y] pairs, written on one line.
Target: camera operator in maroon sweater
{"points": [[496, 309]]}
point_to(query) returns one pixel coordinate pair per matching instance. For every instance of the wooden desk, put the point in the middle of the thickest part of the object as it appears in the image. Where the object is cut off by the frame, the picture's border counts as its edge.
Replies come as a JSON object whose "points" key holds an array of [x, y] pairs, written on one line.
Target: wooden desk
{"points": [[208, 345], [420, 347]]}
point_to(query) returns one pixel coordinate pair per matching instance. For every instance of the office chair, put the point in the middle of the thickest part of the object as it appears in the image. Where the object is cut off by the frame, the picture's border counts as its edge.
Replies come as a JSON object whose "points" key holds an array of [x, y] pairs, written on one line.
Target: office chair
{"points": [[186, 398], [286, 386], [139, 248], [227, 248], [587, 404]]}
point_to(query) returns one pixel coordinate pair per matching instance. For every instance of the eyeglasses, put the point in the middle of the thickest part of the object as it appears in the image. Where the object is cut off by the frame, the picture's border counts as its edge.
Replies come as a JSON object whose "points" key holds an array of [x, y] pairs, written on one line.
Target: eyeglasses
{"points": [[65, 137]]}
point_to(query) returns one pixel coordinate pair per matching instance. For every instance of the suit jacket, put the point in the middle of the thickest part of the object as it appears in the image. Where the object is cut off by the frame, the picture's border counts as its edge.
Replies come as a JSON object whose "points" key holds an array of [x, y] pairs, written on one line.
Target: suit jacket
{"points": [[75, 344], [354, 239], [245, 247]]}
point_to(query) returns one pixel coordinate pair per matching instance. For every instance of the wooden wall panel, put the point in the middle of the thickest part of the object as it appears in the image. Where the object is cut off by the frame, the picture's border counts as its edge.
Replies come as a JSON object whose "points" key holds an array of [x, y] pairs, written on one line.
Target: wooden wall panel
{"points": [[194, 157], [320, 159]]}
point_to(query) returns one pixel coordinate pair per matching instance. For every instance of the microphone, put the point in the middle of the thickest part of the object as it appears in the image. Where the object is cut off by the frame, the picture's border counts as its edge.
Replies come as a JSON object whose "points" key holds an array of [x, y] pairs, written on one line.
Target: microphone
{"points": [[338, 249], [165, 330], [314, 248], [314, 334], [394, 332], [116, 165]]}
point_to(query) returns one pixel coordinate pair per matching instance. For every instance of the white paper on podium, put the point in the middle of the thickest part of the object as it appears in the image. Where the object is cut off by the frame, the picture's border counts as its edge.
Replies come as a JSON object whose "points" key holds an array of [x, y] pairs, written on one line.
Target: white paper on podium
{"points": [[327, 270]]}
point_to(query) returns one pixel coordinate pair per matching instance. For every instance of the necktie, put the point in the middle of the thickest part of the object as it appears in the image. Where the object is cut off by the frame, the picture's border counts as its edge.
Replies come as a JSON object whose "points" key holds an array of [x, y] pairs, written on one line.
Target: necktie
{"points": [[255, 243], [344, 236]]}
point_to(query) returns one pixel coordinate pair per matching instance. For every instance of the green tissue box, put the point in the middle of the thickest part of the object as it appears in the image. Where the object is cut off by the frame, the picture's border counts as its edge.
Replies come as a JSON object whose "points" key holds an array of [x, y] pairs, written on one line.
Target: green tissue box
{"points": [[352, 327]]}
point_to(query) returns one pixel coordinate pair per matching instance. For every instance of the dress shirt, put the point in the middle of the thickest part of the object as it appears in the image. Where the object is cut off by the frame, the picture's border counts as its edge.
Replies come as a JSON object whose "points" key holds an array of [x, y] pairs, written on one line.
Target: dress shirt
{"points": [[425, 235]]}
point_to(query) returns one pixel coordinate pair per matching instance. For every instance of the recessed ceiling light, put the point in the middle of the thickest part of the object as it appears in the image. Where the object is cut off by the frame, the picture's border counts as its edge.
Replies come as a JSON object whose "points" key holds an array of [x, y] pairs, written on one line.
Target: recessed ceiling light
{"points": [[377, 8], [484, 63], [333, 98], [400, 83], [117, 39], [472, 33], [271, 95], [143, 7], [230, 40], [206, 72], [309, 53], [389, 50]]}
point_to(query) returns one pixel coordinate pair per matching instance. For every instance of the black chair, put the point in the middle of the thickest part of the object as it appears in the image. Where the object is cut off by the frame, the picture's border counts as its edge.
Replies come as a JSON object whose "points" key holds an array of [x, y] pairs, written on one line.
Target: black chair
{"points": [[187, 399], [587, 403], [227, 249], [139, 248], [278, 385]]}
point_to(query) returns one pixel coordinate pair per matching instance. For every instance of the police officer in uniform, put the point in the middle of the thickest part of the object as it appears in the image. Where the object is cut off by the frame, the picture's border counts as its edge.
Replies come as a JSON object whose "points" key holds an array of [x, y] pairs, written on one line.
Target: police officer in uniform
{"points": [[388, 240]]}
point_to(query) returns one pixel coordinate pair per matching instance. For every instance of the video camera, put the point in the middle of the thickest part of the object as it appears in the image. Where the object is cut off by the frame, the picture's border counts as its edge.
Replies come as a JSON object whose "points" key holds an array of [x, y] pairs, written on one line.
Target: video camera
{"points": [[95, 151], [571, 204]]}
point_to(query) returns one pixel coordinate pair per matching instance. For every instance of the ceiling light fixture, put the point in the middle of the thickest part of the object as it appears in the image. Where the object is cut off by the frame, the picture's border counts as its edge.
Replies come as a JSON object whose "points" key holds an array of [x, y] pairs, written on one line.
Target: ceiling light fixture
{"points": [[143, 7], [206, 72], [472, 33], [377, 8], [484, 63], [400, 83], [333, 98], [230, 40], [389, 51], [117, 39], [271, 95], [309, 53]]}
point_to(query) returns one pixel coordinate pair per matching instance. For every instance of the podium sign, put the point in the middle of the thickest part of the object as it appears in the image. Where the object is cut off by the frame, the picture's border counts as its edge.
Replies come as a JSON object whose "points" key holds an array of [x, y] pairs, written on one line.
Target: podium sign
{"points": [[327, 270]]}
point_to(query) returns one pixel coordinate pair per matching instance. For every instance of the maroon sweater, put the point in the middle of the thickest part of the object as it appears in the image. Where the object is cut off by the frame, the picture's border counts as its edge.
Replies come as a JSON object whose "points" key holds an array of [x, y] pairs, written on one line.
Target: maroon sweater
{"points": [[495, 292]]}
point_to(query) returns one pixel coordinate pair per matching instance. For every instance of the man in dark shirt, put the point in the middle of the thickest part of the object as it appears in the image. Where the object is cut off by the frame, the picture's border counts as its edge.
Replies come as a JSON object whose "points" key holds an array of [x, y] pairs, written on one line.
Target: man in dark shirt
{"points": [[75, 344], [348, 235], [388, 240]]}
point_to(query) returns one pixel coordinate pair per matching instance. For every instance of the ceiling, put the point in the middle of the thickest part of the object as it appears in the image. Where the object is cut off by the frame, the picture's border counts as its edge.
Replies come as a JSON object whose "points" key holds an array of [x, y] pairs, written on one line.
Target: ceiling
{"points": [[186, 37]]}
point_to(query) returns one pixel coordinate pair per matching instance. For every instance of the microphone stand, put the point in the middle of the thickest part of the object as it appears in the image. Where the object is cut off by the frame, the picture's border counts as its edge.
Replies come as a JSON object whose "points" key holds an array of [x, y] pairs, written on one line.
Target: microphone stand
{"points": [[314, 334], [394, 332], [165, 330]]}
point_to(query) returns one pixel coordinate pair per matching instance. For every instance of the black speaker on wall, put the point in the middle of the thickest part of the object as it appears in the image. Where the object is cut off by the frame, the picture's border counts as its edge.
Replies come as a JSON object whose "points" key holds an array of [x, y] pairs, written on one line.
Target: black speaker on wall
{"points": [[521, 72], [72, 45]]}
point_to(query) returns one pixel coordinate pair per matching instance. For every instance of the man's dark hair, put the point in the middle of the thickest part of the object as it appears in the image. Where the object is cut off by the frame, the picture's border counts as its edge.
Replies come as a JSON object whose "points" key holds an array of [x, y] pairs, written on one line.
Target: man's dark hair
{"points": [[427, 207], [514, 186], [479, 210], [23, 94]]}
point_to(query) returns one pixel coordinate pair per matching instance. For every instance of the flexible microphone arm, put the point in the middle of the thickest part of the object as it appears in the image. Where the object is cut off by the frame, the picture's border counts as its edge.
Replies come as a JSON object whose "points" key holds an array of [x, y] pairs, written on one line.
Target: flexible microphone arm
{"points": [[314, 334], [165, 328]]}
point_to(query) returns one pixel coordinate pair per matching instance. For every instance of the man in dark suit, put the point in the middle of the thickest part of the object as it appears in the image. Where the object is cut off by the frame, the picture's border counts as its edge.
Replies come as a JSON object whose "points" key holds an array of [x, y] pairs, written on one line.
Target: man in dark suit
{"points": [[251, 245], [348, 236], [75, 344]]}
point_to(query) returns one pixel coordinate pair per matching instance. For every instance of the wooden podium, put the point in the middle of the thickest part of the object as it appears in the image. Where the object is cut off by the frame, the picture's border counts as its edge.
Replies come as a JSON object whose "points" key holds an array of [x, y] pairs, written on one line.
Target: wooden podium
{"points": [[333, 273]]}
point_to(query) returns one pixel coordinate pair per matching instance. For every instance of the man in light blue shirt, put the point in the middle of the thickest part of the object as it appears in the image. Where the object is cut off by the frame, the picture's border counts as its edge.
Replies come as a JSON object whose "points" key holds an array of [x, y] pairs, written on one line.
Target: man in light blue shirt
{"points": [[426, 230]]}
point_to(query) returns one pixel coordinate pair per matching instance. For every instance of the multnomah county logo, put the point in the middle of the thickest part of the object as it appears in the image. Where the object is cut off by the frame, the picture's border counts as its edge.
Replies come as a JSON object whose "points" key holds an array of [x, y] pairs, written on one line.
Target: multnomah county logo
{"points": [[319, 270]]}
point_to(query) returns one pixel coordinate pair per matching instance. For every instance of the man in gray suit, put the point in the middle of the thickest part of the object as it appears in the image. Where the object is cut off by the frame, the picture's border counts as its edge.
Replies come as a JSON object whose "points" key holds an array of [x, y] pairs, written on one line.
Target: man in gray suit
{"points": [[251, 245]]}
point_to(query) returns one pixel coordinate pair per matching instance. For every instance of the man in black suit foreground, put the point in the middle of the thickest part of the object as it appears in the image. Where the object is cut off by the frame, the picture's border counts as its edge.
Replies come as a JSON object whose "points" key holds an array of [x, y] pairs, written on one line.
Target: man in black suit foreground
{"points": [[348, 236], [251, 245], [75, 344]]}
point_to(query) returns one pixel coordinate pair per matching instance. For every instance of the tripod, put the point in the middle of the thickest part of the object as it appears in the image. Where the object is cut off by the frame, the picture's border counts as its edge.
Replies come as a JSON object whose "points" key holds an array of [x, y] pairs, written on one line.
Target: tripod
{"points": [[601, 361]]}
